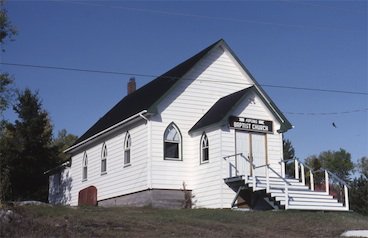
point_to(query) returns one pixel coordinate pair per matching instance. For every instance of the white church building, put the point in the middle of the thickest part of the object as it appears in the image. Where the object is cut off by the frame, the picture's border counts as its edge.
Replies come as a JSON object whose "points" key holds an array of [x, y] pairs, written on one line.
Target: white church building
{"points": [[203, 135]]}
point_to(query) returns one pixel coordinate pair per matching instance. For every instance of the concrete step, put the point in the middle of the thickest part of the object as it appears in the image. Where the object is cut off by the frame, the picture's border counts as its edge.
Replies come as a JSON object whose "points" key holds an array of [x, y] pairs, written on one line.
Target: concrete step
{"points": [[311, 203], [281, 196], [319, 208], [282, 187], [304, 199], [298, 191], [275, 179]]}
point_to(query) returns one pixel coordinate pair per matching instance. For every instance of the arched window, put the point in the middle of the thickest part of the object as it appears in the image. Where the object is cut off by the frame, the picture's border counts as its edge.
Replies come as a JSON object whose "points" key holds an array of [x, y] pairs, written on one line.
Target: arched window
{"points": [[172, 143], [104, 159], [204, 149], [85, 166], [127, 145]]}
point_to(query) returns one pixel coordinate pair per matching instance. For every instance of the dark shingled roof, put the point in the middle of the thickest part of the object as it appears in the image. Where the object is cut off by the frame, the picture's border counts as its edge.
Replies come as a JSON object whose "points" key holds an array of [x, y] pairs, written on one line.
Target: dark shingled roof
{"points": [[221, 109], [145, 97]]}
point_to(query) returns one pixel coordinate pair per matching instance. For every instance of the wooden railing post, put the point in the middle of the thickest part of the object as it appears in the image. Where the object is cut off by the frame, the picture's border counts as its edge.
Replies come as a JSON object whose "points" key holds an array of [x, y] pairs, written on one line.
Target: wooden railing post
{"points": [[311, 176], [346, 197], [296, 169], [236, 165], [254, 178], [286, 197], [303, 173], [267, 179], [327, 182]]}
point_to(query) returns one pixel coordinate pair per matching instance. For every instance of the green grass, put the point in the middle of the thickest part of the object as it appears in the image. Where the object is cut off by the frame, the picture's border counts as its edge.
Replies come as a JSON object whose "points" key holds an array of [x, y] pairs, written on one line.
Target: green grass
{"points": [[47, 221]]}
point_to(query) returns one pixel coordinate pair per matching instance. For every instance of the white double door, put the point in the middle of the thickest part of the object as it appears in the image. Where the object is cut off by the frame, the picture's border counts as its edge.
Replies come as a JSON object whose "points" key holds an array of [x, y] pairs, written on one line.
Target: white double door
{"points": [[252, 146]]}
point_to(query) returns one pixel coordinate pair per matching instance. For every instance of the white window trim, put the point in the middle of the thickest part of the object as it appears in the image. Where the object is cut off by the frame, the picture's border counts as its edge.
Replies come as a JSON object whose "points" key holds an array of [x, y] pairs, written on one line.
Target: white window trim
{"points": [[180, 143], [104, 158], [204, 137], [127, 148], [85, 167]]}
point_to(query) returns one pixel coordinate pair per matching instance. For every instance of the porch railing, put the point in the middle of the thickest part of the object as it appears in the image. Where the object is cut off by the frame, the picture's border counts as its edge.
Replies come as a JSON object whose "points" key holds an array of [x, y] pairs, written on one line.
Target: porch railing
{"points": [[242, 172], [238, 164]]}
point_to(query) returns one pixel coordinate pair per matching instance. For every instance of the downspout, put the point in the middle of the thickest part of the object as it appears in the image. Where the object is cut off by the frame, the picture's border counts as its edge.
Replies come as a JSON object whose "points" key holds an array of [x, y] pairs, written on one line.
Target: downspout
{"points": [[149, 152]]}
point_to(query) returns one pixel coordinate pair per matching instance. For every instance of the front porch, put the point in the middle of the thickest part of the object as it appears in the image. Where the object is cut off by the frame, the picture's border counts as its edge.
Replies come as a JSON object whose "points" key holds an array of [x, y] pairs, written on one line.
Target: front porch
{"points": [[262, 187]]}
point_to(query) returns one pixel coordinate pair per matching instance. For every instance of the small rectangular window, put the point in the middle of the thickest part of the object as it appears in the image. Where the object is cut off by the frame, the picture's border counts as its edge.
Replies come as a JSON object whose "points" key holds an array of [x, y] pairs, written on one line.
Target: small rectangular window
{"points": [[127, 157], [205, 156], [171, 150], [84, 173], [103, 166]]}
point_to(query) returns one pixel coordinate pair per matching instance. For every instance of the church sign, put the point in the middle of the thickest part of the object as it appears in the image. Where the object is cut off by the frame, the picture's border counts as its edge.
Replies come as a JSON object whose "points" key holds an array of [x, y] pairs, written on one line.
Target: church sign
{"points": [[250, 124]]}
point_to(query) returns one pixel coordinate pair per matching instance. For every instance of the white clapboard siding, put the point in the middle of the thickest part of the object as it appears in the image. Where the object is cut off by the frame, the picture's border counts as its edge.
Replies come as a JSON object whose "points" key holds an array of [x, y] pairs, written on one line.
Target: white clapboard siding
{"points": [[217, 75], [118, 180], [207, 187], [184, 106], [252, 107]]}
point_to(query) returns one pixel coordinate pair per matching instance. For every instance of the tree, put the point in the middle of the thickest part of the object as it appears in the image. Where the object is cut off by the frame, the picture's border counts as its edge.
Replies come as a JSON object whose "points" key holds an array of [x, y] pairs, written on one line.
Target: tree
{"points": [[289, 154], [5, 92], [7, 32], [63, 141], [359, 195], [28, 150], [338, 162], [362, 166]]}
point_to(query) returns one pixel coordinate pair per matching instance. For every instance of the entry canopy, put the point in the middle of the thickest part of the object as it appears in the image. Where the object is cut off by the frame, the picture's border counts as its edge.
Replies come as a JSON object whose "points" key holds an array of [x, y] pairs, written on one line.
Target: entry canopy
{"points": [[221, 111]]}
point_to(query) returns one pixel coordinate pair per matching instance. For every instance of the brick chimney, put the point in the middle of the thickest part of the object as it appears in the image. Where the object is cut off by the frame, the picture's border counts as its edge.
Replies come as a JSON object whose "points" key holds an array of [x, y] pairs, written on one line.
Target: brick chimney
{"points": [[131, 85]]}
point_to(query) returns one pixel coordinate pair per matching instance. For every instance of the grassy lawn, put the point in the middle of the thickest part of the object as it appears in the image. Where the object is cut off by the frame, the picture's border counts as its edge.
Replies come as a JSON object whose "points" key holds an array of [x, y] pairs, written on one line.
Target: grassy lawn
{"points": [[45, 221]]}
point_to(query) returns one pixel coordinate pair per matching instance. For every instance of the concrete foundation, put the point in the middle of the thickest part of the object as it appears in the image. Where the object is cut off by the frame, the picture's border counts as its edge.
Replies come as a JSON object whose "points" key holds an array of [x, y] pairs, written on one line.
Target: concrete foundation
{"points": [[157, 198]]}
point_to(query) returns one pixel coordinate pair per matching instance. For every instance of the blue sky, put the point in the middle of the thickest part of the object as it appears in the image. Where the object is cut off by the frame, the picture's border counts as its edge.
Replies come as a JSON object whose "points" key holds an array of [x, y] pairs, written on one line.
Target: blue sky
{"points": [[312, 44]]}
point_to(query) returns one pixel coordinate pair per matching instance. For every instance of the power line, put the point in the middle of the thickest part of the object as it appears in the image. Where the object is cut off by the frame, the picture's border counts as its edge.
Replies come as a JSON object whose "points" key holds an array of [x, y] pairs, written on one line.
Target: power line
{"points": [[146, 10], [173, 77], [76, 69], [326, 113]]}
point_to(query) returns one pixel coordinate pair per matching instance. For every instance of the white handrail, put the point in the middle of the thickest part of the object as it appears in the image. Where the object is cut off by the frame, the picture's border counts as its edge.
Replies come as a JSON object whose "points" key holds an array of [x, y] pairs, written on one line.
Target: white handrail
{"points": [[297, 176]]}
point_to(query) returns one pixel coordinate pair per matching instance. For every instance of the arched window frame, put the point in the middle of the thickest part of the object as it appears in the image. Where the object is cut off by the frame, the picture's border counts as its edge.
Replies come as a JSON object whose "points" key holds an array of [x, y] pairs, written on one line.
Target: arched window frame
{"points": [[85, 167], [104, 159], [172, 143], [204, 149], [127, 149]]}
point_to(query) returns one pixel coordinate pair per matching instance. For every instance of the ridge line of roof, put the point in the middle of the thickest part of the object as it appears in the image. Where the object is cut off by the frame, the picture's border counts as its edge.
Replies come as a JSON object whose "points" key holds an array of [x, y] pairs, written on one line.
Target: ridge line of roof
{"points": [[146, 97]]}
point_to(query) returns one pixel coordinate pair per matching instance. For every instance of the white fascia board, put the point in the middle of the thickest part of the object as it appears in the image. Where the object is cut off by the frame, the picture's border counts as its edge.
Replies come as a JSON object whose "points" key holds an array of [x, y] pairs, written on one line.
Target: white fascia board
{"points": [[140, 114]]}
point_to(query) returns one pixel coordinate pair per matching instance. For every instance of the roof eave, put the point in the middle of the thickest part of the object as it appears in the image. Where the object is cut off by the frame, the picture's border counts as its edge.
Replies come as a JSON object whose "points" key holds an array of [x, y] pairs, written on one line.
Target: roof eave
{"points": [[72, 148], [153, 107], [285, 124]]}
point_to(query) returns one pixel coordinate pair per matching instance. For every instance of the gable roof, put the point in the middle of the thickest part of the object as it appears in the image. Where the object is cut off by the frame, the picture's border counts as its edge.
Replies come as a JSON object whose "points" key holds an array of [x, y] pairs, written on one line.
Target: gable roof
{"points": [[143, 98], [147, 97], [221, 109]]}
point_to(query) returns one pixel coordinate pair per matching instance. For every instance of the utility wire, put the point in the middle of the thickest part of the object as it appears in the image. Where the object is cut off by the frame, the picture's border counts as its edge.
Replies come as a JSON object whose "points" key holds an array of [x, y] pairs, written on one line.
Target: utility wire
{"points": [[146, 10], [173, 77], [326, 113]]}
